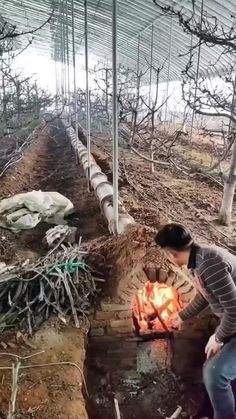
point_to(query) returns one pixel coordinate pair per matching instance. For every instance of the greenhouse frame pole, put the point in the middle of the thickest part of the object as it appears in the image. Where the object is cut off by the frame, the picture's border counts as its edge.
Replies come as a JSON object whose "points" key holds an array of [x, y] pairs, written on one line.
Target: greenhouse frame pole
{"points": [[64, 53], [169, 65], [138, 56], [56, 79], [197, 72], [151, 65], [68, 62], [115, 117], [88, 116], [74, 79], [62, 49]]}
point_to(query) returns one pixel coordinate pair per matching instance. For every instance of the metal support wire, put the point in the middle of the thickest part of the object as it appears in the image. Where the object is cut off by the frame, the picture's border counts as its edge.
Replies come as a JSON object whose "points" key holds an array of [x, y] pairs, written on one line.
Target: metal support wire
{"points": [[169, 66], [88, 116], [64, 53], [56, 80], [138, 56], [197, 70], [151, 65], [74, 80], [115, 117]]}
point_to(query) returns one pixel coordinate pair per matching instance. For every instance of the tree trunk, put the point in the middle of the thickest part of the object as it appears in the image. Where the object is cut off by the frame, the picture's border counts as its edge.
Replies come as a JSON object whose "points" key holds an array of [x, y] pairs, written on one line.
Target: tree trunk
{"points": [[18, 94], [152, 167], [107, 98], [229, 189]]}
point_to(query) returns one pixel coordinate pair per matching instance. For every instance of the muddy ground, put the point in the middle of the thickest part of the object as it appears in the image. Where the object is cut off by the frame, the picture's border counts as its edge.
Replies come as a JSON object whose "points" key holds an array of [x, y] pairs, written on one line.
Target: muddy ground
{"points": [[152, 199]]}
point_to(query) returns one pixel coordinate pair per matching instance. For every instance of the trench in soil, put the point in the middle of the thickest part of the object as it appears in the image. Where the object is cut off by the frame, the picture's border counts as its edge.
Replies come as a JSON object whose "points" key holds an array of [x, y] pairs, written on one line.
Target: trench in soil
{"points": [[149, 378], [49, 164], [139, 375]]}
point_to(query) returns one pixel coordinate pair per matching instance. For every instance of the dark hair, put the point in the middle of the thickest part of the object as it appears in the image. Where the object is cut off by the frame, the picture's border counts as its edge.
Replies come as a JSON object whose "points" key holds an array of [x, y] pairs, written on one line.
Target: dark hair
{"points": [[174, 236]]}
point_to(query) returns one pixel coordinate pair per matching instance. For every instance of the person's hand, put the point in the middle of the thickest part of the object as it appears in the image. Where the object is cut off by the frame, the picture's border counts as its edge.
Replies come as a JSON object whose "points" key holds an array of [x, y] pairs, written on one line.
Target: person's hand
{"points": [[175, 321], [212, 347]]}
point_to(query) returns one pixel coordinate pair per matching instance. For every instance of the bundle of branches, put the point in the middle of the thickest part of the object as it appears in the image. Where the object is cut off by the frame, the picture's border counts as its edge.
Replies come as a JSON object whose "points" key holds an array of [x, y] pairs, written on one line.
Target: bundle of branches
{"points": [[60, 283]]}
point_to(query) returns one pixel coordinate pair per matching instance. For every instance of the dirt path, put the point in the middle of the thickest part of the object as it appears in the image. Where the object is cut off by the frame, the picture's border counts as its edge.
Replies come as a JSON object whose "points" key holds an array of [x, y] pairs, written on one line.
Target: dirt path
{"points": [[53, 392], [49, 165]]}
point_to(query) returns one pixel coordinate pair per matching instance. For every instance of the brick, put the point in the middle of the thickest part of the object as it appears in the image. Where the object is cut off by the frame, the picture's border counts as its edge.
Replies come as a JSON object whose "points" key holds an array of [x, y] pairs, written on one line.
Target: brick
{"points": [[151, 274], [162, 276], [105, 315], [98, 323], [171, 279], [137, 283], [114, 307], [119, 330], [125, 314], [122, 323], [128, 299], [185, 299]]}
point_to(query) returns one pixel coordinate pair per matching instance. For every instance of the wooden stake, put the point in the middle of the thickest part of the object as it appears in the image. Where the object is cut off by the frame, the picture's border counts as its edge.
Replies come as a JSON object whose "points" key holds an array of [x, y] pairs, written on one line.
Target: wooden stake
{"points": [[176, 413], [12, 403], [117, 409]]}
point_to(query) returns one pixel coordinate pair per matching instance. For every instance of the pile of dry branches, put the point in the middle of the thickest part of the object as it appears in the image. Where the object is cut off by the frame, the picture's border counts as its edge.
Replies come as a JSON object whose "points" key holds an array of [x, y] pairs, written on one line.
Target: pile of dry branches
{"points": [[60, 283]]}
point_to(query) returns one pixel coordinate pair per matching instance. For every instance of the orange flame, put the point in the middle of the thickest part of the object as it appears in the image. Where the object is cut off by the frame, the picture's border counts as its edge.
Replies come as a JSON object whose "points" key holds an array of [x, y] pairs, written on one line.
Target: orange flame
{"points": [[154, 305]]}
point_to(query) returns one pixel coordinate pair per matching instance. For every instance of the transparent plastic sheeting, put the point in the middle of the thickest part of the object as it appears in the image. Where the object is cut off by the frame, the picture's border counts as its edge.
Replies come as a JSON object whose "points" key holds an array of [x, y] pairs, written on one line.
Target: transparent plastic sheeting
{"points": [[136, 21]]}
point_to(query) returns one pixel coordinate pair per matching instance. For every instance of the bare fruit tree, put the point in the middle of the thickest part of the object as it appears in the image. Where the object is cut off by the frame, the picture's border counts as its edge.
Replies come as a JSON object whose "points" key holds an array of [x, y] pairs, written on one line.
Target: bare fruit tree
{"points": [[24, 105], [139, 114], [212, 98]]}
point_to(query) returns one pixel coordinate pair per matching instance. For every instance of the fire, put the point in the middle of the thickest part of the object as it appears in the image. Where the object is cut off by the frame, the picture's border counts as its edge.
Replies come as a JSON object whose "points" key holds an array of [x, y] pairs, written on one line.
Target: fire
{"points": [[154, 305]]}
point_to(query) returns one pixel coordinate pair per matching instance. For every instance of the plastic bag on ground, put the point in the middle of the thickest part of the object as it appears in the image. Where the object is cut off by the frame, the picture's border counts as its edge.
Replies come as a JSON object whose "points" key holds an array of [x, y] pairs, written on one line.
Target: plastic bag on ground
{"points": [[26, 210]]}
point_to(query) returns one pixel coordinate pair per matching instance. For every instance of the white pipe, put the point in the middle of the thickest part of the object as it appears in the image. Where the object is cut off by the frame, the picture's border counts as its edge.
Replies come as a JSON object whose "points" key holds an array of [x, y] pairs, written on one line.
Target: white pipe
{"points": [[100, 184]]}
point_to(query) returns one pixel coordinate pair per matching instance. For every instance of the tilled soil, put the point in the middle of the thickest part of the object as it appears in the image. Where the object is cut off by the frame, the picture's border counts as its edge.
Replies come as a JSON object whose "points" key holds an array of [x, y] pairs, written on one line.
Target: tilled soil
{"points": [[168, 195], [49, 165], [56, 391]]}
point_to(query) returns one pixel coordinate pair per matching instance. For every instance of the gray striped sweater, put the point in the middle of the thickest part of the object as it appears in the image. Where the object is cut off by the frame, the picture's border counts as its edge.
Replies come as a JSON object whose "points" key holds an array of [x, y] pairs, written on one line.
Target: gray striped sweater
{"points": [[215, 277]]}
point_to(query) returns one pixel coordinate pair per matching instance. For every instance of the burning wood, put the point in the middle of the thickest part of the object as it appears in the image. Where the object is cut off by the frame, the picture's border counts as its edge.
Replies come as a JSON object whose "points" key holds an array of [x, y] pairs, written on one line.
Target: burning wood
{"points": [[153, 306]]}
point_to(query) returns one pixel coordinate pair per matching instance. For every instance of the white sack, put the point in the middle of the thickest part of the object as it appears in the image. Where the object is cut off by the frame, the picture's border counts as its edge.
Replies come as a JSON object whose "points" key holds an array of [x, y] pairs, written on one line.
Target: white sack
{"points": [[26, 210]]}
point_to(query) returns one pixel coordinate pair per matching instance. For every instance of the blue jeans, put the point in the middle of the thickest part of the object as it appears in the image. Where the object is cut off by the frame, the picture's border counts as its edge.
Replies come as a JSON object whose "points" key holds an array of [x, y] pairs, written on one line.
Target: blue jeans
{"points": [[218, 373]]}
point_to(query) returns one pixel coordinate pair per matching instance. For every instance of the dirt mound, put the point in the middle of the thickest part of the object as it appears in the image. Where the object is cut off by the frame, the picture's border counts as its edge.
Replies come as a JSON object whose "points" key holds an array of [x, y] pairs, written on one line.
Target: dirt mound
{"points": [[116, 257]]}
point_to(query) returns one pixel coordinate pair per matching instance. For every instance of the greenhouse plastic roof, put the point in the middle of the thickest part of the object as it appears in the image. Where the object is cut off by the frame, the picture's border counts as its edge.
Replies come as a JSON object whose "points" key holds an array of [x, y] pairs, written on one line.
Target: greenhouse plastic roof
{"points": [[135, 21]]}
